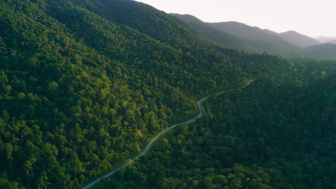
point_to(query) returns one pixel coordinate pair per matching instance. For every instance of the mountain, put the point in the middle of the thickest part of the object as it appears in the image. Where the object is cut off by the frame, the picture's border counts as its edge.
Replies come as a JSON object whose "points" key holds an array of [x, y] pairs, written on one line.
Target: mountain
{"points": [[84, 85], [298, 39], [323, 39], [223, 38], [252, 39], [257, 39], [271, 32], [322, 52]]}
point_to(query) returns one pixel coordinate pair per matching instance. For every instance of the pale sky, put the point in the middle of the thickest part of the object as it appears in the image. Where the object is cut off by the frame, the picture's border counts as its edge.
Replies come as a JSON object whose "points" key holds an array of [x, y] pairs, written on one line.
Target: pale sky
{"points": [[308, 17]]}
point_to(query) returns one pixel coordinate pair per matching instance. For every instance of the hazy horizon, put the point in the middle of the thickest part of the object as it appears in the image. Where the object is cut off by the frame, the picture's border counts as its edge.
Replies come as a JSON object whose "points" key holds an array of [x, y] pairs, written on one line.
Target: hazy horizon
{"points": [[308, 17]]}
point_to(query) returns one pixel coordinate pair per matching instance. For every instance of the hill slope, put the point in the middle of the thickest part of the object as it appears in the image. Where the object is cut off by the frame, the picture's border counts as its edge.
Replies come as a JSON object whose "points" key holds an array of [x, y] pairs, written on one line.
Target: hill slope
{"points": [[84, 86], [270, 134], [298, 39]]}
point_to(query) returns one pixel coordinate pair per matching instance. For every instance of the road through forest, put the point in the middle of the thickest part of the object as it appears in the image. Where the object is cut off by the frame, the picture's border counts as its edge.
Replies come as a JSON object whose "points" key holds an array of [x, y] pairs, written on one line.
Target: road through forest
{"points": [[201, 111]]}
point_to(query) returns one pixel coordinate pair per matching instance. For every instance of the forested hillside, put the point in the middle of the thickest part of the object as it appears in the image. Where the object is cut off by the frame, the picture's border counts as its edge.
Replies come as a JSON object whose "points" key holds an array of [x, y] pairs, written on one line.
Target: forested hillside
{"points": [[277, 132], [81, 93], [320, 52], [85, 84]]}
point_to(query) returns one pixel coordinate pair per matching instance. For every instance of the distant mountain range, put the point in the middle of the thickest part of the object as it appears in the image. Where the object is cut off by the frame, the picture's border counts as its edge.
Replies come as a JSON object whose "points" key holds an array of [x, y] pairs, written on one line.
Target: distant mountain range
{"points": [[240, 36], [221, 37], [258, 39], [323, 39], [298, 39]]}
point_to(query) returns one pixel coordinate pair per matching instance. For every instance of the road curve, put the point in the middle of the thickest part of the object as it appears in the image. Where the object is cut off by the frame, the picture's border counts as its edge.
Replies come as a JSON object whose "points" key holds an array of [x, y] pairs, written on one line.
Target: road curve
{"points": [[200, 114]]}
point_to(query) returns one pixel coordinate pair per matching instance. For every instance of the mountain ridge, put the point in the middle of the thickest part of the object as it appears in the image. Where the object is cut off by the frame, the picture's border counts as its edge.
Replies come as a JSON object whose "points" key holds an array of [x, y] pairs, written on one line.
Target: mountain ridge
{"points": [[82, 91], [253, 39], [298, 39], [290, 44], [324, 39], [259, 39], [226, 39]]}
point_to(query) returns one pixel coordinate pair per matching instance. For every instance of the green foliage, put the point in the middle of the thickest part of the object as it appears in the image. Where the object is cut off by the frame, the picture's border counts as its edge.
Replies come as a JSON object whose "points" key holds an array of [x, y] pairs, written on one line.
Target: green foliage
{"points": [[81, 93], [275, 133], [84, 86]]}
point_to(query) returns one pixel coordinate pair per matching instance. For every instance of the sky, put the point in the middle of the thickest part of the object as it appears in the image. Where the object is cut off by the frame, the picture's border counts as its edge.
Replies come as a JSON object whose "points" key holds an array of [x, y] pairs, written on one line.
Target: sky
{"points": [[309, 17]]}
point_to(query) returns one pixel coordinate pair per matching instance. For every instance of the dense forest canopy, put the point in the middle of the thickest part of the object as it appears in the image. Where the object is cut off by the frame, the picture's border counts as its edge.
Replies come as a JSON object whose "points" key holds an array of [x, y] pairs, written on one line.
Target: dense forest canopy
{"points": [[275, 133], [84, 87]]}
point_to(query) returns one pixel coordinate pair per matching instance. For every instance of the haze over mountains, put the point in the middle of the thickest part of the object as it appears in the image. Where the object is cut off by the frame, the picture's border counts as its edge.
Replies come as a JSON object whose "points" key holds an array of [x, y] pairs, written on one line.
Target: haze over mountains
{"points": [[322, 39], [333, 41], [287, 44]]}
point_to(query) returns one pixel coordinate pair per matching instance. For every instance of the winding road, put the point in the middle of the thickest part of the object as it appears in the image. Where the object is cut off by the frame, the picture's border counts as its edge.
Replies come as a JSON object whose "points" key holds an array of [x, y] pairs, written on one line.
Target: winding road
{"points": [[201, 111]]}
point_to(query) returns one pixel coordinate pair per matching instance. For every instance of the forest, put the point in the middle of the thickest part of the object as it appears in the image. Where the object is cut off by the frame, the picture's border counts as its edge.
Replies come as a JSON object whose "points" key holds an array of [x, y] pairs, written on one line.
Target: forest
{"points": [[275, 133], [84, 87]]}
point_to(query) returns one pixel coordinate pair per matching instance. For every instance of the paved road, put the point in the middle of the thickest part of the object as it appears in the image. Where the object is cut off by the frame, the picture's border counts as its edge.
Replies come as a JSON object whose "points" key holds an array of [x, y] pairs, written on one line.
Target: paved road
{"points": [[201, 111]]}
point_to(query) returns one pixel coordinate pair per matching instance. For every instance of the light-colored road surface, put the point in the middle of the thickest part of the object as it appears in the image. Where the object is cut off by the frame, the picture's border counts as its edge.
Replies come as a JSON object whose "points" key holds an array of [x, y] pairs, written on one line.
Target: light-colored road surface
{"points": [[201, 111]]}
